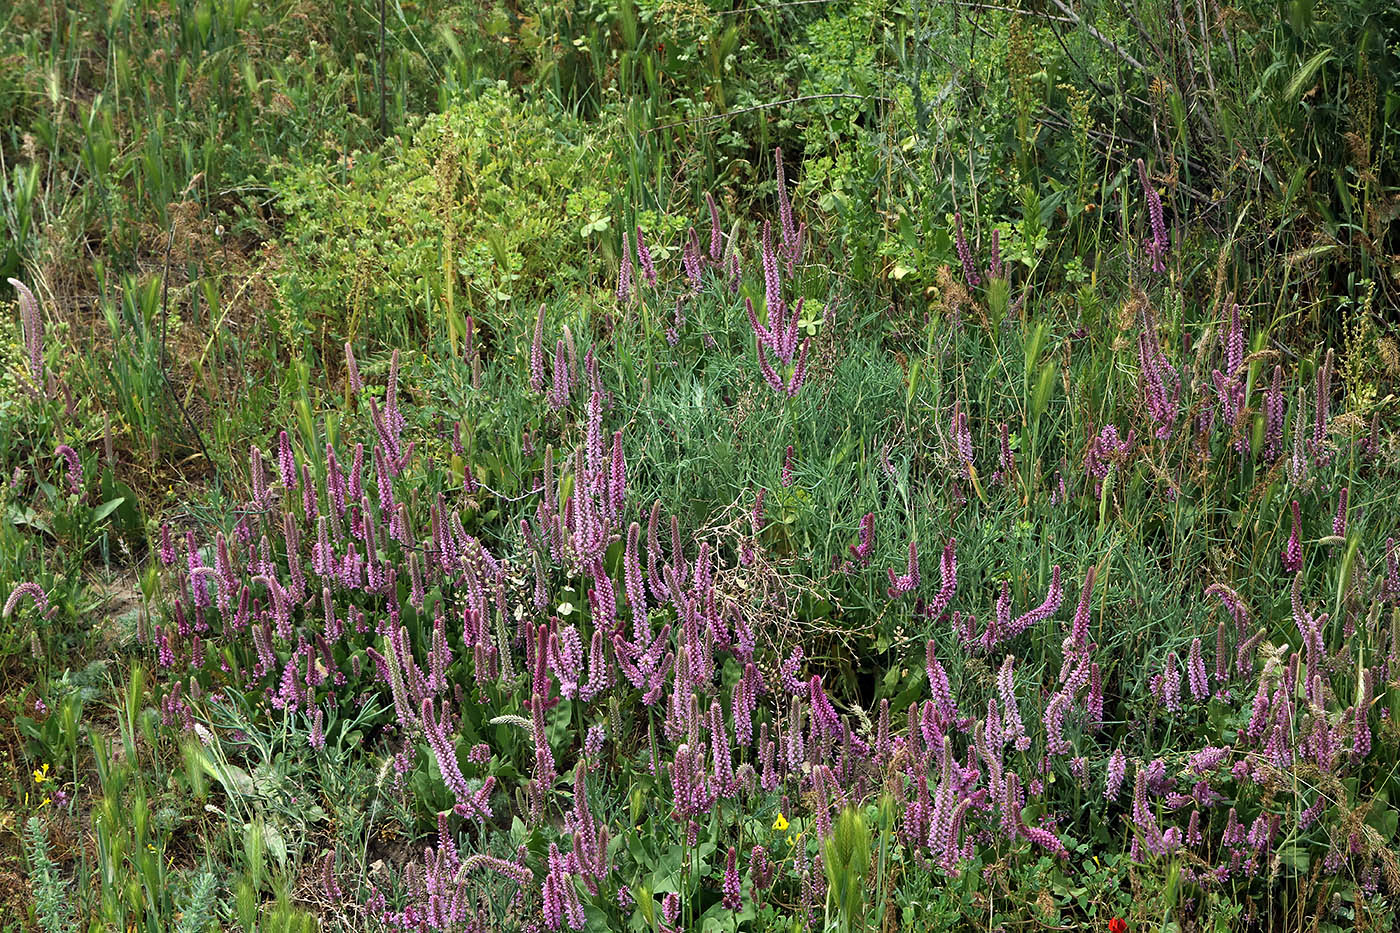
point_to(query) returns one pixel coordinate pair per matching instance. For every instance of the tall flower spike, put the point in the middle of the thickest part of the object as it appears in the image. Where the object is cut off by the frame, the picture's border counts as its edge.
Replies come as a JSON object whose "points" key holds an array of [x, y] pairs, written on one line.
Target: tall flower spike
{"points": [[32, 590], [1298, 463], [1157, 245], [562, 381], [1392, 572], [1196, 672], [353, 383], [1157, 380], [1117, 771], [286, 462], [969, 268], [690, 261], [939, 687], [1013, 729], [1035, 616], [644, 259], [910, 578], [772, 297], [1293, 550], [1006, 461], [716, 234], [544, 756], [75, 468], [624, 271], [732, 895], [537, 352], [948, 574], [1079, 628], [1322, 405], [1273, 416], [963, 438], [1171, 683], [862, 550], [792, 236], [32, 327]]}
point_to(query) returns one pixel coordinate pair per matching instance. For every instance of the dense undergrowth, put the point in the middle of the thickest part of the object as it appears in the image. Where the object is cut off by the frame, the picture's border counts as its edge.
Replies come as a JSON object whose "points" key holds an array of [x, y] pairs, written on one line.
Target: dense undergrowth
{"points": [[682, 465]]}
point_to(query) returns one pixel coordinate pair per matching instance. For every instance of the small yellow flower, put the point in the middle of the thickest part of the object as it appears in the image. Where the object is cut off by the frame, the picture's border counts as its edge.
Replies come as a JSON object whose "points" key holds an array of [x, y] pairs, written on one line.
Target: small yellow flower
{"points": [[791, 841], [780, 823], [41, 774]]}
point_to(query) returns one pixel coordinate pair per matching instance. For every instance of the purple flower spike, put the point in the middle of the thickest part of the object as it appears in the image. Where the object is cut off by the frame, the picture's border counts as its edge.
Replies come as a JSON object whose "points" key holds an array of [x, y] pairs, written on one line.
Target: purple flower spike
{"points": [[716, 234], [32, 590], [732, 897], [948, 574], [963, 438], [789, 230], [537, 350], [1117, 771], [965, 253], [910, 578], [75, 468], [690, 260], [32, 326], [1196, 672], [624, 271], [1157, 380], [1293, 550], [644, 260], [1157, 245], [862, 550]]}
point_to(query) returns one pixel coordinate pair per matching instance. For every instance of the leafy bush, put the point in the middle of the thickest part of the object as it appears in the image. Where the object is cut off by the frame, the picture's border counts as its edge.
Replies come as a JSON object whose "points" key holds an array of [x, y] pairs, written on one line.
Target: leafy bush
{"points": [[464, 219]]}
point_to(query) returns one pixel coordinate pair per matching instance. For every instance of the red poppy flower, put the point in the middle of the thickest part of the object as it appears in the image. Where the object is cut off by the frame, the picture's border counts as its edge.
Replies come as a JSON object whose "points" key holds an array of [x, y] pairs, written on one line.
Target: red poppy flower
{"points": [[1117, 925]]}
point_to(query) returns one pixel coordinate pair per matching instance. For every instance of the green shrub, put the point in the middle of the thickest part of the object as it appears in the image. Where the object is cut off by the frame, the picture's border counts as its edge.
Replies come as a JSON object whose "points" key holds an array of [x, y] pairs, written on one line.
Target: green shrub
{"points": [[478, 213]]}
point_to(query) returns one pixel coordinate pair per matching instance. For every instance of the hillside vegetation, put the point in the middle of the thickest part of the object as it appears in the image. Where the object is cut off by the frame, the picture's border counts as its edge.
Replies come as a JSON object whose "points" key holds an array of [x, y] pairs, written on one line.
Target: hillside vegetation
{"points": [[670, 465]]}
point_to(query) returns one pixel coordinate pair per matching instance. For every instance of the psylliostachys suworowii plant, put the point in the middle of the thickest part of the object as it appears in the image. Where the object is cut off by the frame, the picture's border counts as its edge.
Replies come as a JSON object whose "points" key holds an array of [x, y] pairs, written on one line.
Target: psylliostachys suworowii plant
{"points": [[552, 684]]}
